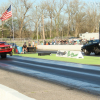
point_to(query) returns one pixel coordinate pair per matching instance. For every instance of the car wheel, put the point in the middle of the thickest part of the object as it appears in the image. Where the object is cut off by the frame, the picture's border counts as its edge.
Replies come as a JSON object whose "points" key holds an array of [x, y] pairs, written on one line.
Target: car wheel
{"points": [[86, 52], [3, 56], [97, 53], [10, 53]]}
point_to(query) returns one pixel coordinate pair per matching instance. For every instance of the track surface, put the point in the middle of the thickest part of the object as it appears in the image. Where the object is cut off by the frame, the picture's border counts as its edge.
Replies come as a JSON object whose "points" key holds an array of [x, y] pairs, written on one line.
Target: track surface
{"points": [[83, 77]]}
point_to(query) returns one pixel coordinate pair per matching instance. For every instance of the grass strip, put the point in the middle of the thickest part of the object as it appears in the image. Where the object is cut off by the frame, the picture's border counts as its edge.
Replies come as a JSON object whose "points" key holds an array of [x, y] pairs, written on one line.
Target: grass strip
{"points": [[91, 60]]}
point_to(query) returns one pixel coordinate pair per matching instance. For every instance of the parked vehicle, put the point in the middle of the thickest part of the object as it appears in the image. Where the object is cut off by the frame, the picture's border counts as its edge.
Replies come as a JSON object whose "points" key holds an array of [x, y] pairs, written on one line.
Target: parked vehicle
{"points": [[5, 49], [13, 45], [92, 46]]}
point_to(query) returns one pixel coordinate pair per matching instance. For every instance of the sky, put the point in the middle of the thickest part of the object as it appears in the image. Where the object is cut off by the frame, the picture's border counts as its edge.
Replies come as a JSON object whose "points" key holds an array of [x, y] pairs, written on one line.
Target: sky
{"points": [[90, 2], [87, 1]]}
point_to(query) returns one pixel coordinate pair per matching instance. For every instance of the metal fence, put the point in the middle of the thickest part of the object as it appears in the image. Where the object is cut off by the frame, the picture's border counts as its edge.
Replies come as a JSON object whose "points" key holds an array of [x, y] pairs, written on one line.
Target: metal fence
{"points": [[21, 41], [18, 41]]}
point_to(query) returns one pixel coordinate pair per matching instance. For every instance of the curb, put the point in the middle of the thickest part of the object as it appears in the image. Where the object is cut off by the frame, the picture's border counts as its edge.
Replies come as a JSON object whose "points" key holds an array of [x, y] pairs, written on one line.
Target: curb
{"points": [[7, 93]]}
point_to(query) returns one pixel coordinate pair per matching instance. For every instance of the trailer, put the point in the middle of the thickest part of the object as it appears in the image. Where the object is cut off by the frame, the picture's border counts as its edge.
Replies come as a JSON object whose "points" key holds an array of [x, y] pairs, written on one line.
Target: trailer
{"points": [[89, 36]]}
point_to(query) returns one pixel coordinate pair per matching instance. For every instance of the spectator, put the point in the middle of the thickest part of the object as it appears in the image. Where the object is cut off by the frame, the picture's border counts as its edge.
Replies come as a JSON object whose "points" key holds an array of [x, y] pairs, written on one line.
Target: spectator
{"points": [[61, 42], [44, 42], [65, 42], [33, 43], [58, 42], [72, 42], [24, 47], [76, 43], [81, 42], [93, 38], [29, 44], [48, 42], [53, 42], [38, 42]]}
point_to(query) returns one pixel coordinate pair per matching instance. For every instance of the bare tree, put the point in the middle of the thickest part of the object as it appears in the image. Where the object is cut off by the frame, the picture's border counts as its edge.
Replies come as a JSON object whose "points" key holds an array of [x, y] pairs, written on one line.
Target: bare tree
{"points": [[92, 18], [75, 11], [43, 15], [57, 12], [50, 9], [69, 14], [52, 21], [21, 12]]}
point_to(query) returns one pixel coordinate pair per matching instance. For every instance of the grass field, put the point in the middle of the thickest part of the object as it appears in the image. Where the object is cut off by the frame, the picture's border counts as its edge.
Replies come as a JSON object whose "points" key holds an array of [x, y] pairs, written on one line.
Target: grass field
{"points": [[91, 60]]}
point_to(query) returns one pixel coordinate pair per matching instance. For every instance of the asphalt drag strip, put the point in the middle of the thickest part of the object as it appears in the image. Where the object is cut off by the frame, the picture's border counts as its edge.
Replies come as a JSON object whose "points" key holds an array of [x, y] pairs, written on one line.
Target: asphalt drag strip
{"points": [[83, 77]]}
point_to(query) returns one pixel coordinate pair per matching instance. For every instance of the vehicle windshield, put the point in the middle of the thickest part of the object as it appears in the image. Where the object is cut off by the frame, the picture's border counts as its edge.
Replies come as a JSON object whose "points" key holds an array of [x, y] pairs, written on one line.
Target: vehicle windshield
{"points": [[92, 41], [95, 41]]}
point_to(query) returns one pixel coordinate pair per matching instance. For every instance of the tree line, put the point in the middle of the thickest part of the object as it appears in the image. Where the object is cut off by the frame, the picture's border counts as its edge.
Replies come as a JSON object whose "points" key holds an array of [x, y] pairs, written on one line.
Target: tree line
{"points": [[49, 18]]}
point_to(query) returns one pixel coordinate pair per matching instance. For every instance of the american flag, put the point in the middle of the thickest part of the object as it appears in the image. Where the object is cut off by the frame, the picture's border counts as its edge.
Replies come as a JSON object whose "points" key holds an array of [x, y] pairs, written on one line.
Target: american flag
{"points": [[6, 14]]}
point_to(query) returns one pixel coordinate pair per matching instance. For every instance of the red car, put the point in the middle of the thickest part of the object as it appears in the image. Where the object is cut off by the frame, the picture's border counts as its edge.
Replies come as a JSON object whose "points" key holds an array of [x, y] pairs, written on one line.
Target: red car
{"points": [[5, 49]]}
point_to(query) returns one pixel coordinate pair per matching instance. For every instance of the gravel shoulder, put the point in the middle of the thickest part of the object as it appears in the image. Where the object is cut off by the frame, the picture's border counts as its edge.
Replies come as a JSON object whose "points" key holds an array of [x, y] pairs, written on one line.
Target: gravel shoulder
{"points": [[42, 90]]}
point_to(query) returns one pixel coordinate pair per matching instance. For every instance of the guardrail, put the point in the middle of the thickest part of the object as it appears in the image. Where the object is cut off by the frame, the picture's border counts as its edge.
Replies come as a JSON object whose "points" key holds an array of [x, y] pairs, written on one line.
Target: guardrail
{"points": [[60, 47]]}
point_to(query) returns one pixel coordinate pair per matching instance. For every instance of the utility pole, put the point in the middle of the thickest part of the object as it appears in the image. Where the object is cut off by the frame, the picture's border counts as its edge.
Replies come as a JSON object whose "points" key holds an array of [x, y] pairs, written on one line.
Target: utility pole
{"points": [[50, 24], [43, 28], [37, 25], [99, 30], [12, 24], [2, 29]]}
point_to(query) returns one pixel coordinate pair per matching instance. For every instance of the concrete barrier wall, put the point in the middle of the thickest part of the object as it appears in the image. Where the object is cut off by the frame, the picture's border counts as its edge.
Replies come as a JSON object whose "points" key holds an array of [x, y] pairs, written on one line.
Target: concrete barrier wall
{"points": [[60, 47], [7, 93]]}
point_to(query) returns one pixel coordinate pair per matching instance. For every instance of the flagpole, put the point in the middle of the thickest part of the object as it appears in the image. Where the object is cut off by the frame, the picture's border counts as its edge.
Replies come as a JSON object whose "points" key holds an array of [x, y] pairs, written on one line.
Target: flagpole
{"points": [[12, 23], [2, 30]]}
